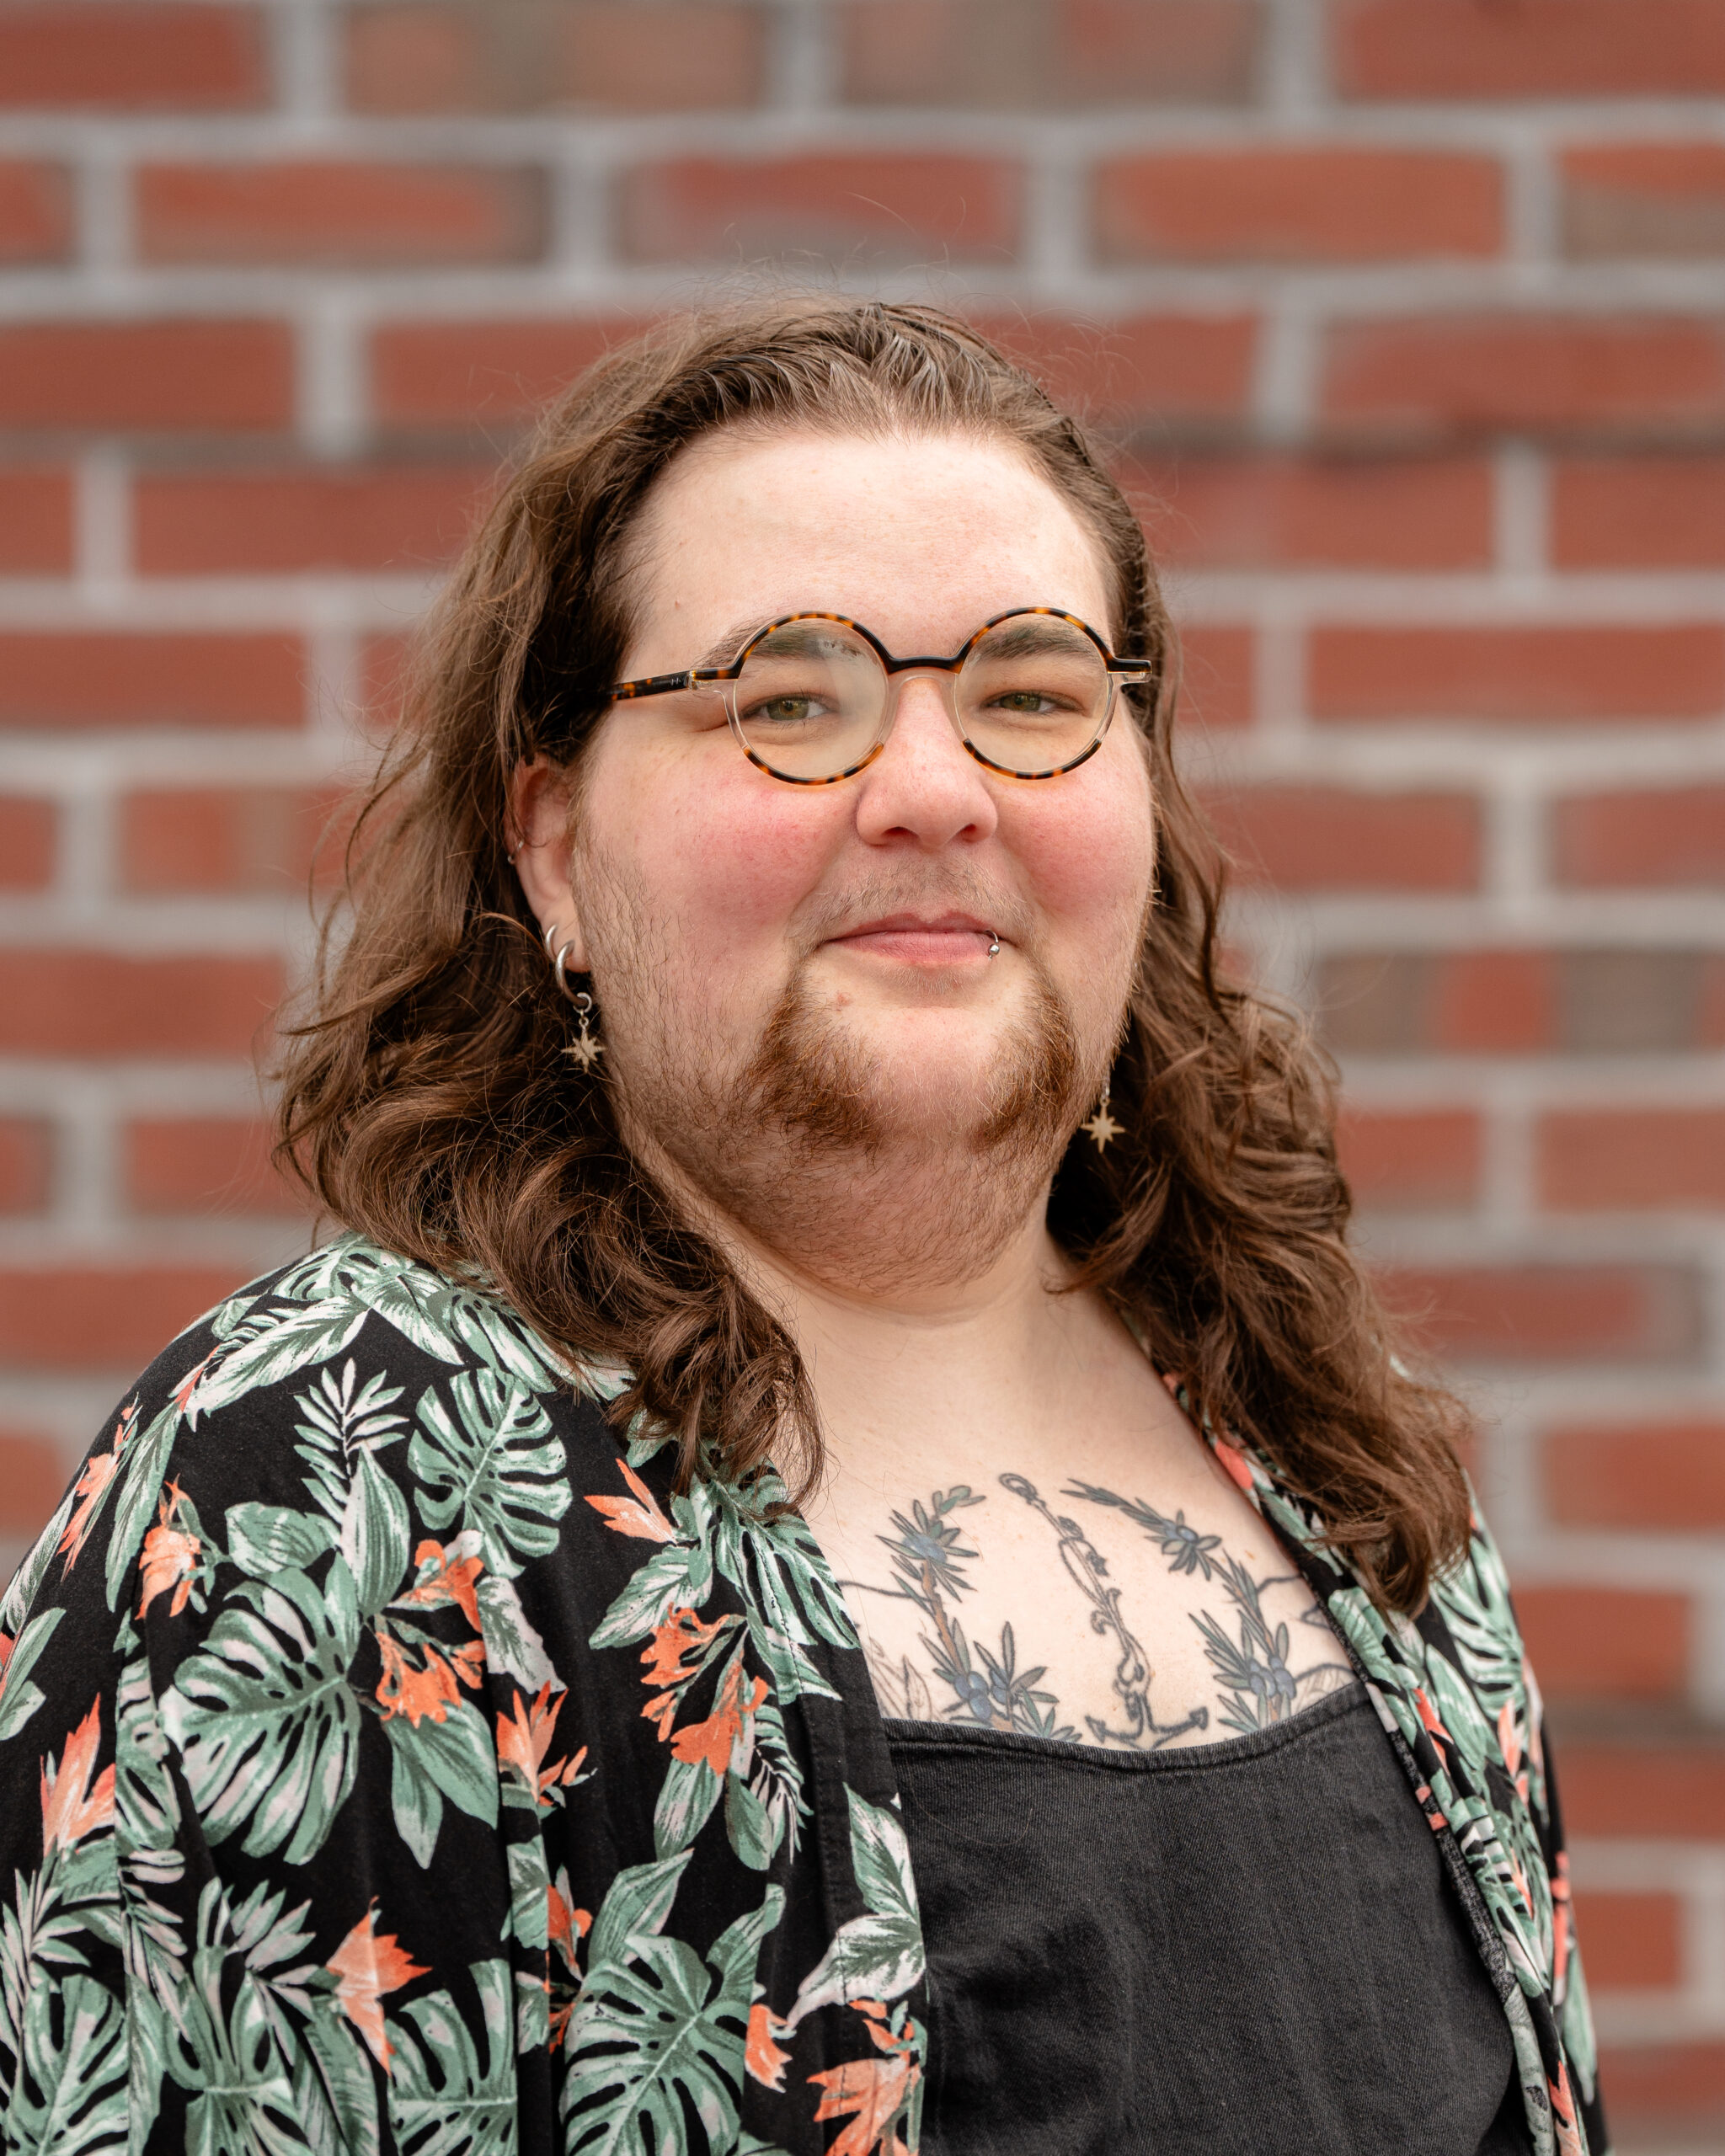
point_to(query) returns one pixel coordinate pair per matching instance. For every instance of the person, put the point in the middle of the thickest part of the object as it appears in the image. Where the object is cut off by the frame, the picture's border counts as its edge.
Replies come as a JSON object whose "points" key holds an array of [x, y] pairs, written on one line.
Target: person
{"points": [[837, 1554]]}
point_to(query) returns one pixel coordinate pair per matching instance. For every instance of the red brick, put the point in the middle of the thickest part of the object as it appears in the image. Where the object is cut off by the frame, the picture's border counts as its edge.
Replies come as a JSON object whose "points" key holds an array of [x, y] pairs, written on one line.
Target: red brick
{"points": [[212, 1164], [1535, 48], [1666, 839], [32, 1482], [1552, 1313], [35, 212], [339, 215], [1319, 838], [1630, 1942], [1527, 675], [1149, 369], [27, 840], [1320, 205], [913, 207], [181, 375], [1648, 1475], [325, 518], [134, 678], [135, 58], [1601, 1643], [1651, 1789], [102, 1317], [1029, 53], [1456, 1003], [26, 1163], [1215, 677], [72, 1002], [618, 58], [1671, 2084], [1638, 512], [451, 374], [1263, 512], [36, 523], [226, 839], [1413, 1159], [1470, 374], [1597, 1159], [1644, 198]]}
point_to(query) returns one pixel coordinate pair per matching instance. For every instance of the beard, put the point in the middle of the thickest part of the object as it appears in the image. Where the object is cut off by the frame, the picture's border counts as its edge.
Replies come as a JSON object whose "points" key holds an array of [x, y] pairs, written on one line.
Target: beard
{"points": [[862, 1184]]}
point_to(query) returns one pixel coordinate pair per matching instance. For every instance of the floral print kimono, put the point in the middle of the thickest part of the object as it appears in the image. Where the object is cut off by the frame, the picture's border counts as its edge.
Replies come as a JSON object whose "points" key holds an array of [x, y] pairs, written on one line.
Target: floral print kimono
{"points": [[389, 1761]]}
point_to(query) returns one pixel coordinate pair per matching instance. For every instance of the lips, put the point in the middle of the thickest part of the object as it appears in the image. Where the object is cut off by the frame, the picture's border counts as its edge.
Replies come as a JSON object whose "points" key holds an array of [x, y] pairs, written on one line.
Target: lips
{"points": [[941, 939]]}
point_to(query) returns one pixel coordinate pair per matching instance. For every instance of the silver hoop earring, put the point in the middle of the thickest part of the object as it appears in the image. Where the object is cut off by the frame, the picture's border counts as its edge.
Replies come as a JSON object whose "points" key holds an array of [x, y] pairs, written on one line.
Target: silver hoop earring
{"points": [[1102, 1125], [586, 1048]]}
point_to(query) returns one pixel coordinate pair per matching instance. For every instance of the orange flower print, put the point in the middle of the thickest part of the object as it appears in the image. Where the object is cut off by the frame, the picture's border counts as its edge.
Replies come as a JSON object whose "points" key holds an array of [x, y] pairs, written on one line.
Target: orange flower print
{"points": [[1234, 1465], [762, 2055], [98, 1471], [416, 1693], [567, 1926], [1569, 2141], [639, 1515], [443, 1579], [170, 1556], [711, 1742], [524, 1740], [71, 1807], [1430, 1715], [365, 1966], [681, 1634], [872, 2090]]}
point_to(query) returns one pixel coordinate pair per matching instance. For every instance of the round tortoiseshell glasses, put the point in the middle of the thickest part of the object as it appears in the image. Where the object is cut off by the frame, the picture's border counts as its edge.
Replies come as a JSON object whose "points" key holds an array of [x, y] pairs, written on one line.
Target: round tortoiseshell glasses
{"points": [[811, 697]]}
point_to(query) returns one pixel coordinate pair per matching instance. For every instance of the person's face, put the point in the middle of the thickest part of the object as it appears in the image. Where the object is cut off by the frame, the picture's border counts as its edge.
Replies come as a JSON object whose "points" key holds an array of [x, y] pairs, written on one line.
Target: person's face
{"points": [[708, 898]]}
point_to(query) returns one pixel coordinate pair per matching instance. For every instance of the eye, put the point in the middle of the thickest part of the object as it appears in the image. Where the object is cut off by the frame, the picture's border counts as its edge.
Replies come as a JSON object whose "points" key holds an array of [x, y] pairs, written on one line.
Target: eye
{"points": [[784, 710]]}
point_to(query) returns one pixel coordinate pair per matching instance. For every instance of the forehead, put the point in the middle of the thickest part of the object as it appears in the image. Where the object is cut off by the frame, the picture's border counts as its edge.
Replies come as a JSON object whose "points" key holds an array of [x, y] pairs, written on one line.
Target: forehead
{"points": [[921, 537]]}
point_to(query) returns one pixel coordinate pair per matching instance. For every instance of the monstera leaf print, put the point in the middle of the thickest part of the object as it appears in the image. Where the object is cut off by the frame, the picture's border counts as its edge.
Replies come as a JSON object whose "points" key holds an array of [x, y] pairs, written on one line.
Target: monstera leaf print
{"points": [[266, 1722], [445, 2099], [879, 1955], [658, 2032], [70, 2094], [496, 1466]]}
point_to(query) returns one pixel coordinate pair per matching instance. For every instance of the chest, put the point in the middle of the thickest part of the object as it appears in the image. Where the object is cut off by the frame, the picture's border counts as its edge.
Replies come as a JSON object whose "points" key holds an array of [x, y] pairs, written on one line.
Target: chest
{"points": [[1095, 1592]]}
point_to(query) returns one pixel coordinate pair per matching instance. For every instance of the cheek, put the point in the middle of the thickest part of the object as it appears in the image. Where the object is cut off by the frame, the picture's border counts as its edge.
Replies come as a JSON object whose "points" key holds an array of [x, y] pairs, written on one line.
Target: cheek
{"points": [[1091, 857], [719, 855]]}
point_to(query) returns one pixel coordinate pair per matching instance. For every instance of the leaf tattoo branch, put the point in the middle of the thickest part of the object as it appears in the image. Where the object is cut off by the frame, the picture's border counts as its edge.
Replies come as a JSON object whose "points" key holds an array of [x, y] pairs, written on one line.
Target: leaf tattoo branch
{"points": [[926, 1551], [1252, 1670], [1086, 1568]]}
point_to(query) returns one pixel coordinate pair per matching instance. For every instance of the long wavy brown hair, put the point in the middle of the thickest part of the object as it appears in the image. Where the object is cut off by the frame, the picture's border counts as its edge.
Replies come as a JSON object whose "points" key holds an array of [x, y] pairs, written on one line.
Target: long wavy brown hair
{"points": [[426, 1103]]}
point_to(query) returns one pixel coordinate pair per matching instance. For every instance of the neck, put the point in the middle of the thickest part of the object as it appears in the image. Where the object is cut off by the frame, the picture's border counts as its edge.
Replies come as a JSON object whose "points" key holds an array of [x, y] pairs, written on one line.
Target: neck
{"points": [[903, 1330]]}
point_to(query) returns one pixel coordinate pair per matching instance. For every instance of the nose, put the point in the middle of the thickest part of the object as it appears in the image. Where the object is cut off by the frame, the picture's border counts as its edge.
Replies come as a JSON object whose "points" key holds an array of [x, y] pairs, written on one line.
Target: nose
{"points": [[925, 788]]}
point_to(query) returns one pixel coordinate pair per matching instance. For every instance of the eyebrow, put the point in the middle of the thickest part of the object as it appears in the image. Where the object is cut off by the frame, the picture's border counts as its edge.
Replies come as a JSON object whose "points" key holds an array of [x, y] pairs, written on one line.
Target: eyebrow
{"points": [[729, 644]]}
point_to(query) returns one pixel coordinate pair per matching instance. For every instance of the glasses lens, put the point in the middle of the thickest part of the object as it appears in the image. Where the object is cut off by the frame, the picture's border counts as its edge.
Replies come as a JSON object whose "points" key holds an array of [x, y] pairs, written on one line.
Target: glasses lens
{"points": [[1033, 694], [809, 701]]}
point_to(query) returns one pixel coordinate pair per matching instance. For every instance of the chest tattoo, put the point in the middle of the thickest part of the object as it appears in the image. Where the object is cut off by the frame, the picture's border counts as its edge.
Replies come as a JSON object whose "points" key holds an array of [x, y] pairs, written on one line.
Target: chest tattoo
{"points": [[1255, 1679]]}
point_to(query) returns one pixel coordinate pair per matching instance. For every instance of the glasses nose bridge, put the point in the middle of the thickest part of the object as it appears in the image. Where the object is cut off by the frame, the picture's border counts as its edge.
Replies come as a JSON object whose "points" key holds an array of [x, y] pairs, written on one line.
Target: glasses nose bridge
{"points": [[900, 673]]}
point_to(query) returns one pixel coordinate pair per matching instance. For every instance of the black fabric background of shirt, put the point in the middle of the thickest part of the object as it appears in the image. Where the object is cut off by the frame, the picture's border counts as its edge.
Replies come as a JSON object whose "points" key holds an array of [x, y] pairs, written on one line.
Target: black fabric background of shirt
{"points": [[1188, 1952]]}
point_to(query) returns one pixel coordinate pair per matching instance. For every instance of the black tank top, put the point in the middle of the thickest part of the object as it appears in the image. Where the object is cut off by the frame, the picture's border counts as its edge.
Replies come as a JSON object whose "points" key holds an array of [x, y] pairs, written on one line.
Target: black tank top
{"points": [[1244, 1949]]}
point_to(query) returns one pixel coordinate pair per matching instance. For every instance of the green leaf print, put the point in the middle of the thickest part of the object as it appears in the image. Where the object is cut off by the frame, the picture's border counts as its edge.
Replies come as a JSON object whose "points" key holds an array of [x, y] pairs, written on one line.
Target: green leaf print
{"points": [[374, 1534], [444, 2099], [18, 1697], [70, 2093], [143, 1463], [498, 1468], [879, 1955], [647, 2039], [339, 1427], [335, 2090], [264, 1540], [456, 1755], [264, 1718], [636, 1903]]}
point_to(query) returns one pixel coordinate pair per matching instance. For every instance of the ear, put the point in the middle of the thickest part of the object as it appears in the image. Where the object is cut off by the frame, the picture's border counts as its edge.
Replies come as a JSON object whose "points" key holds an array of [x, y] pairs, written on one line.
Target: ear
{"points": [[539, 815]]}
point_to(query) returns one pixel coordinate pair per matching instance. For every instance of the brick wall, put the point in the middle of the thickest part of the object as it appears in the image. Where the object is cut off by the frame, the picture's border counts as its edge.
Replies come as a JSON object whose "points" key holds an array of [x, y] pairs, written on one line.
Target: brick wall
{"points": [[1408, 317]]}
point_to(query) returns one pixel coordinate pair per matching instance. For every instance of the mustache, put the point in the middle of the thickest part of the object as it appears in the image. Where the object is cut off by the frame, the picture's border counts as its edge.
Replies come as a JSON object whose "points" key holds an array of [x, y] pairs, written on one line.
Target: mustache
{"points": [[877, 898]]}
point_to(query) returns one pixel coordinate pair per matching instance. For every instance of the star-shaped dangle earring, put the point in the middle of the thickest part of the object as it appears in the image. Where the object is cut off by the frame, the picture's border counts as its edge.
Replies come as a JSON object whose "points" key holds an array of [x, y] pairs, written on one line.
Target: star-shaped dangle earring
{"points": [[585, 1049], [1102, 1125]]}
